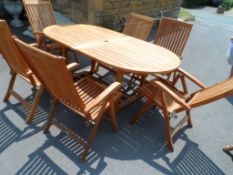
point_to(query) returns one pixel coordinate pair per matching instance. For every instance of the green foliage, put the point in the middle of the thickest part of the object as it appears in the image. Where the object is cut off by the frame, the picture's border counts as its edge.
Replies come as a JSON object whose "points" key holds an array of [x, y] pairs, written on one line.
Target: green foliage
{"points": [[193, 3], [227, 4], [186, 15]]}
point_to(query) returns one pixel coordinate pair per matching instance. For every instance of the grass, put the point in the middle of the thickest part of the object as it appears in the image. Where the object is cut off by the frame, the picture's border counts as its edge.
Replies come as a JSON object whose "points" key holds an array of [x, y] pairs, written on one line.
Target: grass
{"points": [[186, 15]]}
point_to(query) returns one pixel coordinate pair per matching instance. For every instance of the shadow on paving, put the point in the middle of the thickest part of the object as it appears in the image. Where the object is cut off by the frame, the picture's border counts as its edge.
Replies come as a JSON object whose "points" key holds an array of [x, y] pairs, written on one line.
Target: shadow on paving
{"points": [[144, 141], [230, 154], [230, 99], [9, 133]]}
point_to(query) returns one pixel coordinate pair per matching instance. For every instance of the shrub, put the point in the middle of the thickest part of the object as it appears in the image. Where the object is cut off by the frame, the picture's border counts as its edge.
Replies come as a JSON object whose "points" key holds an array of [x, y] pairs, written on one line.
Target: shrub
{"points": [[227, 4], [193, 3]]}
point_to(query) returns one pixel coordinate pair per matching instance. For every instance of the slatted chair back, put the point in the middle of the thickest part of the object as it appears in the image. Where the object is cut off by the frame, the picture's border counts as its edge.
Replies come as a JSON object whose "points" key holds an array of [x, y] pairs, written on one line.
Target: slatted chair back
{"points": [[40, 14], [139, 26], [212, 93], [53, 73], [173, 35], [10, 52]]}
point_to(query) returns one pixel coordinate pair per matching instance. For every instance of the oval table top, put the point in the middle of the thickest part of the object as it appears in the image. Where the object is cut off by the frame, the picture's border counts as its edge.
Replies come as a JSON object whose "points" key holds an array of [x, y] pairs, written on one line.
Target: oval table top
{"points": [[119, 51], [79, 34]]}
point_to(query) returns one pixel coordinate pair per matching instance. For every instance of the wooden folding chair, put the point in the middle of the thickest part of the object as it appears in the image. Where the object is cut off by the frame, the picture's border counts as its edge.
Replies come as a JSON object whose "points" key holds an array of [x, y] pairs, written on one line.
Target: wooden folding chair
{"points": [[87, 97], [138, 26], [19, 67], [173, 35], [40, 15], [172, 101]]}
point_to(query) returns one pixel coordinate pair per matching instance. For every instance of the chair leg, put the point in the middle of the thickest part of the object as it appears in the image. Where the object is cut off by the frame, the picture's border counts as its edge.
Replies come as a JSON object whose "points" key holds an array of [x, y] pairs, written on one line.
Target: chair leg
{"points": [[10, 86], [64, 51], [90, 139], [175, 78], [139, 114], [34, 104], [185, 89], [75, 57], [167, 122], [130, 82], [168, 76], [112, 112], [142, 80], [39, 40], [168, 131], [51, 115], [189, 119], [94, 67]]}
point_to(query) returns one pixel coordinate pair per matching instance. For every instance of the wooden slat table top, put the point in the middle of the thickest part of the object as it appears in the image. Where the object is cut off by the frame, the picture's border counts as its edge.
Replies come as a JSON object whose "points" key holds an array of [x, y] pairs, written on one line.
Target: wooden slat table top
{"points": [[116, 50], [80, 34], [133, 55]]}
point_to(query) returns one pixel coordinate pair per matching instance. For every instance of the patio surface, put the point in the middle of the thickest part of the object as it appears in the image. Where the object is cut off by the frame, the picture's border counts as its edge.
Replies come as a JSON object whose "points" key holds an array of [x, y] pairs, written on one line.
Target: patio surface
{"points": [[139, 149]]}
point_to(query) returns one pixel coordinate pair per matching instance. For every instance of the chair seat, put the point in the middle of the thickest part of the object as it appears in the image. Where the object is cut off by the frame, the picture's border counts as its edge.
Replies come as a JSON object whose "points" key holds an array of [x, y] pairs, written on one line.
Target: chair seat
{"points": [[88, 88], [172, 105]]}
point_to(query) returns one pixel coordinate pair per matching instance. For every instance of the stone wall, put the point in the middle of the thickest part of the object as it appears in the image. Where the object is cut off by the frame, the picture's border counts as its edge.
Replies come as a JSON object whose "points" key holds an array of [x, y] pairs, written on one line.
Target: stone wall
{"points": [[76, 10], [109, 12]]}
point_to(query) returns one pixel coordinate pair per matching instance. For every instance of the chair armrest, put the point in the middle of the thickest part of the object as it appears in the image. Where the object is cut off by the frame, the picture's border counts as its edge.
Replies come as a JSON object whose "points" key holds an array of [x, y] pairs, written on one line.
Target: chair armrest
{"points": [[103, 95], [164, 88], [191, 78], [34, 45], [38, 33], [72, 67]]}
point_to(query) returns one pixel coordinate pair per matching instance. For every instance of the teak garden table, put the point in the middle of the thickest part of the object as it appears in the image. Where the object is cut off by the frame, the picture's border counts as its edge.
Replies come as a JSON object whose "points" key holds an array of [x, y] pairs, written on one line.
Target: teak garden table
{"points": [[118, 51]]}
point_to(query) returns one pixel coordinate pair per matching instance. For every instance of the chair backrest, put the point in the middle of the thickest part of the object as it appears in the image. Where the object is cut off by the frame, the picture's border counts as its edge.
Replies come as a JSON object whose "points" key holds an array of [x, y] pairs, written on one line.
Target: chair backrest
{"points": [[10, 51], [139, 26], [40, 14], [51, 70], [173, 35], [212, 93]]}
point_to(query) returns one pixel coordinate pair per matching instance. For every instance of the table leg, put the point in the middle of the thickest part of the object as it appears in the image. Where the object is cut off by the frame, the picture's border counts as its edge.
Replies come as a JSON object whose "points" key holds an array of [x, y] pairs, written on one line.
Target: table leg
{"points": [[125, 99], [93, 66], [119, 76]]}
